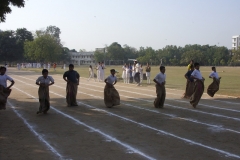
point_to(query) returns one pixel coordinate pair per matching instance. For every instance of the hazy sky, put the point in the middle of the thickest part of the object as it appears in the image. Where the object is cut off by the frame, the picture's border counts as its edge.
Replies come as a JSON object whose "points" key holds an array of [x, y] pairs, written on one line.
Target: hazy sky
{"points": [[90, 24]]}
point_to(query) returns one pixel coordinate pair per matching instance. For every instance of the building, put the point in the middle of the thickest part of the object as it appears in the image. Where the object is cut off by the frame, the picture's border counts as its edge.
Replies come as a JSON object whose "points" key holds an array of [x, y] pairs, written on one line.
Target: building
{"points": [[235, 42], [82, 58]]}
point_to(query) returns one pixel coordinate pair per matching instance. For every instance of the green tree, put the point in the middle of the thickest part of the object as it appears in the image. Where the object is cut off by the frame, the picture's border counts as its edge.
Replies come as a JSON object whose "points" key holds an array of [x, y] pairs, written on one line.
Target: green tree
{"points": [[98, 56], [10, 50], [5, 7], [44, 49]]}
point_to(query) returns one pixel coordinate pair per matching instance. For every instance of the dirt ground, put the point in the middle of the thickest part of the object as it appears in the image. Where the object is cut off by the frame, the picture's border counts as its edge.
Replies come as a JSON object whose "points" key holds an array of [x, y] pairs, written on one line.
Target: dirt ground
{"points": [[132, 130]]}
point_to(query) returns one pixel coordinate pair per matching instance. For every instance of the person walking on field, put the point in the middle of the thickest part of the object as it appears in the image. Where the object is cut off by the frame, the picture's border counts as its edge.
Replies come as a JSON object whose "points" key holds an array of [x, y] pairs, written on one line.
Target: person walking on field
{"points": [[160, 81], [111, 95], [44, 82], [189, 84], [91, 74], [148, 70], [72, 78], [198, 85], [4, 90], [214, 86]]}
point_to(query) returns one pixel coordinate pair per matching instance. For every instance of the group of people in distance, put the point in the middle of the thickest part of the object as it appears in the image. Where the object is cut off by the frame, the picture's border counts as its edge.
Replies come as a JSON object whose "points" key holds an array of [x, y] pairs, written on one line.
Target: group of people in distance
{"points": [[134, 73], [195, 83], [194, 86]]}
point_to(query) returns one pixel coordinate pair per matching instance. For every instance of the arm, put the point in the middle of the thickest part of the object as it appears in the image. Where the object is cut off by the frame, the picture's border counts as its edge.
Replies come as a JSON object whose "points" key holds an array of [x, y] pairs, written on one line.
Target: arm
{"points": [[157, 82], [12, 83]]}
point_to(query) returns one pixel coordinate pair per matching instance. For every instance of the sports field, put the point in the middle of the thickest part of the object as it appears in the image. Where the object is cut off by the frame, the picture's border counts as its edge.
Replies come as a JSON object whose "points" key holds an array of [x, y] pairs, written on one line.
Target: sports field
{"points": [[132, 130]]}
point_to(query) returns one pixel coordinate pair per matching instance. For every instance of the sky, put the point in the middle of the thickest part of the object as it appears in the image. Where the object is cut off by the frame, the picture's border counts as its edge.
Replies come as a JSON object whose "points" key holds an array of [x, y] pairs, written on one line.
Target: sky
{"points": [[90, 24]]}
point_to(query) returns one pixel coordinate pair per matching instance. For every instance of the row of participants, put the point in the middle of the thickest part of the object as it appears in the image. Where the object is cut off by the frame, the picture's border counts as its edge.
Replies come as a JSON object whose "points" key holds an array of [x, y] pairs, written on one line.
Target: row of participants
{"points": [[194, 87]]}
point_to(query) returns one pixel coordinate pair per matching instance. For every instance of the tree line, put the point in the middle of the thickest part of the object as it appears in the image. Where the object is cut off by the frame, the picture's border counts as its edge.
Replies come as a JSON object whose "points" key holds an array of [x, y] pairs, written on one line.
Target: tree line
{"points": [[172, 55], [41, 46]]}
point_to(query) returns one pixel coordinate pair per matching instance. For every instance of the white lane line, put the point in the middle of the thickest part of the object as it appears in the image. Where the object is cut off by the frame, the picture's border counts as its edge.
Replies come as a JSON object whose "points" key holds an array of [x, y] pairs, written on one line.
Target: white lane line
{"points": [[141, 124], [191, 120], [51, 148], [192, 110], [128, 147], [182, 101]]}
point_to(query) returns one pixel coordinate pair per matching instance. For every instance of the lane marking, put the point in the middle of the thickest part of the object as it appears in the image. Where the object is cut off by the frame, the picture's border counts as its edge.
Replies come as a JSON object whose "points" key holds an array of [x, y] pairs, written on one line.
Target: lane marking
{"points": [[191, 120], [51, 148], [92, 128], [141, 124]]}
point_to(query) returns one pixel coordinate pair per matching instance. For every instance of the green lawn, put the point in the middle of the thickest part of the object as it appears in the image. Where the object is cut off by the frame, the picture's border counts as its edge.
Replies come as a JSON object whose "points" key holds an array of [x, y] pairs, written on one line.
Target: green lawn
{"points": [[230, 82]]}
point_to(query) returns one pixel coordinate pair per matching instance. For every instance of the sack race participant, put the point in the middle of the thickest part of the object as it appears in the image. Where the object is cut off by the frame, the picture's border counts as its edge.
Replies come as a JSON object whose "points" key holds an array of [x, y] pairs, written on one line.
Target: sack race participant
{"points": [[189, 83], [72, 78], [4, 90], [160, 88], [214, 86], [198, 86], [44, 82], [111, 95]]}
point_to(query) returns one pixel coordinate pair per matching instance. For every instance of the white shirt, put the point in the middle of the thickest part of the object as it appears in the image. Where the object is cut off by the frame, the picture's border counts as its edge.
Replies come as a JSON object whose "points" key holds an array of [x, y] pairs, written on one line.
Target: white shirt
{"points": [[111, 79], [197, 74], [127, 70], [42, 80], [141, 70], [160, 77], [137, 67], [3, 80], [214, 75]]}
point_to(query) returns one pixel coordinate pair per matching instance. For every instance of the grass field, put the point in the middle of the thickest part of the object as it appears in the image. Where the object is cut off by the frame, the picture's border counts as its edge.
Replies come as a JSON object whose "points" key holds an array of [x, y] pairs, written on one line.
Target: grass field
{"points": [[230, 82]]}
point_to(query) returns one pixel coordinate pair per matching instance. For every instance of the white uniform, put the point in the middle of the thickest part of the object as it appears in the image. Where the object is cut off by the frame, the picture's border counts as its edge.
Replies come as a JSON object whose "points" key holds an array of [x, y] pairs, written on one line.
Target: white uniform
{"points": [[98, 72], [197, 74], [3, 80], [43, 80], [160, 77], [214, 75], [127, 75], [124, 74], [141, 74], [111, 79], [91, 74]]}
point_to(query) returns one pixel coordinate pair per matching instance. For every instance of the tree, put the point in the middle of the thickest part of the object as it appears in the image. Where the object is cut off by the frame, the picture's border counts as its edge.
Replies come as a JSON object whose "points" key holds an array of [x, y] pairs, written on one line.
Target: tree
{"points": [[10, 50], [98, 56], [44, 49], [5, 9], [54, 32]]}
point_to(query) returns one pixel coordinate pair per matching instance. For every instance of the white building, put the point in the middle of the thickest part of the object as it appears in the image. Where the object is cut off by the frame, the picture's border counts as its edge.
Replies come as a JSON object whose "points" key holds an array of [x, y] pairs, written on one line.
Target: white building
{"points": [[82, 58], [235, 42]]}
